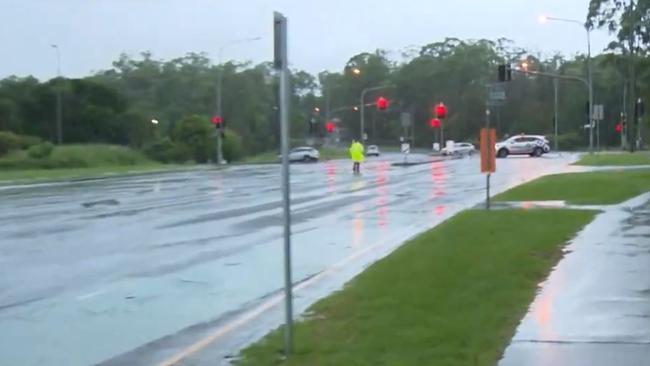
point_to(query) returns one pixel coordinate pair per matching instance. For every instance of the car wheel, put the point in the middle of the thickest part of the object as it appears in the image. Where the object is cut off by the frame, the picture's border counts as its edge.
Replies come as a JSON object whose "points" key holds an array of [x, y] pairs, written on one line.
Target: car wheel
{"points": [[306, 159], [538, 152], [503, 153]]}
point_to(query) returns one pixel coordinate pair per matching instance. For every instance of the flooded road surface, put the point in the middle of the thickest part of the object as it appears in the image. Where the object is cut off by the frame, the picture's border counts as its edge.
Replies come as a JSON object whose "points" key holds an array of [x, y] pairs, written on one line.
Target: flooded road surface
{"points": [[594, 310], [90, 271]]}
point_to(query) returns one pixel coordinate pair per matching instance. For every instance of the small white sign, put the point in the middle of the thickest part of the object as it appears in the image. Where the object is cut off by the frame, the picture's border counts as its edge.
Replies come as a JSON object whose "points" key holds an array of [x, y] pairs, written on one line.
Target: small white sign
{"points": [[599, 112], [406, 148]]}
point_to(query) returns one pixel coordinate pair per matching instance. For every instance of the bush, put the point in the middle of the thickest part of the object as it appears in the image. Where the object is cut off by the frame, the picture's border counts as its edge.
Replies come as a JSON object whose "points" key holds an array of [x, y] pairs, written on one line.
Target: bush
{"points": [[568, 141], [196, 133], [166, 151], [232, 146], [10, 141], [40, 151]]}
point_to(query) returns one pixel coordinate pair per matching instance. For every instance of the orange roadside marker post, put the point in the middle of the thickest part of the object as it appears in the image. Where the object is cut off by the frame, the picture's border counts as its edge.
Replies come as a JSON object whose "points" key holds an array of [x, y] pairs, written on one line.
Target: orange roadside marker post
{"points": [[488, 155]]}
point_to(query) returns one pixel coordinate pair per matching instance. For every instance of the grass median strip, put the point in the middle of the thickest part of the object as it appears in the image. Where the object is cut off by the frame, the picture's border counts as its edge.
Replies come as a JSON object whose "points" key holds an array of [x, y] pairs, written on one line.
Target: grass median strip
{"points": [[451, 296], [603, 187], [613, 159]]}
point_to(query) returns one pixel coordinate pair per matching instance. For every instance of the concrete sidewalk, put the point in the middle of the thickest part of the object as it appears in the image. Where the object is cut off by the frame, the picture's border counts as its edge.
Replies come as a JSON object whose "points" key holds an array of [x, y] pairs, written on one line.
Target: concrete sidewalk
{"points": [[594, 310]]}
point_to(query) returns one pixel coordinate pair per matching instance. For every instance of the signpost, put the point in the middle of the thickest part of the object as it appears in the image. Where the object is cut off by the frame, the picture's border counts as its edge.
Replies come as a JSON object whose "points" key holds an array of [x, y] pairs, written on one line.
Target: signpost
{"points": [[281, 64], [405, 148], [598, 116]]}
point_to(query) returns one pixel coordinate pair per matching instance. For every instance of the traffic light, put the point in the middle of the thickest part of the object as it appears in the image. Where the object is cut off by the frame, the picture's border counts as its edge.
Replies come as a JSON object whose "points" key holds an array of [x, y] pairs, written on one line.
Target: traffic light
{"points": [[382, 103], [329, 126], [441, 111], [504, 72], [217, 121], [434, 123], [618, 127]]}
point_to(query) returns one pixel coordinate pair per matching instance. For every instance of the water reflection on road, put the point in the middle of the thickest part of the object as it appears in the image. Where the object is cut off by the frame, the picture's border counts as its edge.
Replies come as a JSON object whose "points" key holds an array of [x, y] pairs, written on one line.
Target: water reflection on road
{"points": [[87, 283]]}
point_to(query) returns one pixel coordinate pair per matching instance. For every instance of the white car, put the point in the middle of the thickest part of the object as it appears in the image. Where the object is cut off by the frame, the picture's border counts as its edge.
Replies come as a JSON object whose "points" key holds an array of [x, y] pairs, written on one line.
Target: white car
{"points": [[532, 145], [373, 150], [305, 154], [459, 148]]}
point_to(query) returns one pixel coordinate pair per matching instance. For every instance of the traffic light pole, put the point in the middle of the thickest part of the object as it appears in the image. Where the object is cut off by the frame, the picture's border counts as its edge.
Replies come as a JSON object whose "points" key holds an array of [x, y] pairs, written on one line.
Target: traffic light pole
{"points": [[281, 64], [362, 105]]}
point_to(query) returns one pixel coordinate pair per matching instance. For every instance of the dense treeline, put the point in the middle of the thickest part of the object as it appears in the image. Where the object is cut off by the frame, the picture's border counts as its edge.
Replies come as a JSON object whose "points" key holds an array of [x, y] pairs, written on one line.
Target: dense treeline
{"points": [[117, 105]]}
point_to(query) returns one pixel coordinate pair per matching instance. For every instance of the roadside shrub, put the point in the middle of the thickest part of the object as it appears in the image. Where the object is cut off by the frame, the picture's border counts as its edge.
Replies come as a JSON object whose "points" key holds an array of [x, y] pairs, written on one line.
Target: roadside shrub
{"points": [[167, 151], [568, 141], [8, 141], [232, 146], [196, 133], [40, 151]]}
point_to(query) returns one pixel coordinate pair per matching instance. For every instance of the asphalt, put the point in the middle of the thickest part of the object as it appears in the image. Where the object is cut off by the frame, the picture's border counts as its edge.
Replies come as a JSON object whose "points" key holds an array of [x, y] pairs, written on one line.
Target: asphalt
{"points": [[187, 267], [594, 309]]}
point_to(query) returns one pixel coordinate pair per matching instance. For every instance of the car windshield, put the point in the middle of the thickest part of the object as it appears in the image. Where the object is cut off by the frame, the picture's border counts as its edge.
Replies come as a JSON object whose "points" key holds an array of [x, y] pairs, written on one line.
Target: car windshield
{"points": [[199, 182]]}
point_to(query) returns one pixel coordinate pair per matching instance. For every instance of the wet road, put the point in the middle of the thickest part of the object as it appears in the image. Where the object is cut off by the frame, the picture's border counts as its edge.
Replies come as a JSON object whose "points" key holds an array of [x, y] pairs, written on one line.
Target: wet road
{"points": [[594, 310], [92, 270]]}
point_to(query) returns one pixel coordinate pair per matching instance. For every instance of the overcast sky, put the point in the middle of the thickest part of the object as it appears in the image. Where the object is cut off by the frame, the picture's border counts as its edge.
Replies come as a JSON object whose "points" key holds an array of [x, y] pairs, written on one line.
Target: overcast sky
{"points": [[323, 34]]}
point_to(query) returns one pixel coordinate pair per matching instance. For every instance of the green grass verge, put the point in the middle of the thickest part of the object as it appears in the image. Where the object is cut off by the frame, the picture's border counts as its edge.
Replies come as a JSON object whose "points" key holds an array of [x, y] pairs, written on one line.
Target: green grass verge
{"points": [[33, 175], [605, 187], [639, 158], [451, 296], [77, 161]]}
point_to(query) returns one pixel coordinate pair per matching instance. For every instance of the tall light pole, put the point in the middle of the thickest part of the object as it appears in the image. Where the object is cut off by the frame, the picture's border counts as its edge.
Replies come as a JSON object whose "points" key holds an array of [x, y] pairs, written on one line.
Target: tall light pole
{"points": [[59, 107], [543, 19], [222, 48]]}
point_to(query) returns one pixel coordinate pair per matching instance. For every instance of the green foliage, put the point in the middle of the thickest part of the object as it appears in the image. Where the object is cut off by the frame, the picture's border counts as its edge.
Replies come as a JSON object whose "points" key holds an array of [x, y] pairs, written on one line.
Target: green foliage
{"points": [[10, 141], [75, 156], [232, 146], [166, 151], [568, 142], [451, 296], [40, 151], [197, 134]]}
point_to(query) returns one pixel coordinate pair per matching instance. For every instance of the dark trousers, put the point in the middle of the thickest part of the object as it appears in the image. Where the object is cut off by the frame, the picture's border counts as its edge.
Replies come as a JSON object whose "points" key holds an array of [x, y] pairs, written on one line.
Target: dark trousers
{"points": [[356, 167]]}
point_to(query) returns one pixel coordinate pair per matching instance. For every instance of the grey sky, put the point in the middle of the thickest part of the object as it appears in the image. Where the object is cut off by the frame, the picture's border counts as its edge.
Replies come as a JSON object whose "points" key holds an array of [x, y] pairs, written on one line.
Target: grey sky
{"points": [[323, 34]]}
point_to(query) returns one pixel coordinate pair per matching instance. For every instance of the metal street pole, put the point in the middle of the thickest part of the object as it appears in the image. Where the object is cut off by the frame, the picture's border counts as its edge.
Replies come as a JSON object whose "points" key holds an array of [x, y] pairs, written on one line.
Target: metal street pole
{"points": [[362, 105], [220, 87], [59, 106], [281, 64], [590, 85], [555, 112]]}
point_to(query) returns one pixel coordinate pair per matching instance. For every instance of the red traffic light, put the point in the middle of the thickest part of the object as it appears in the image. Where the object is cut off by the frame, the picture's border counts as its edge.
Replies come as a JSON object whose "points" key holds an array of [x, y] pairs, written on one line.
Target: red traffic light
{"points": [[329, 126], [382, 103], [441, 111], [434, 123], [216, 120], [618, 127]]}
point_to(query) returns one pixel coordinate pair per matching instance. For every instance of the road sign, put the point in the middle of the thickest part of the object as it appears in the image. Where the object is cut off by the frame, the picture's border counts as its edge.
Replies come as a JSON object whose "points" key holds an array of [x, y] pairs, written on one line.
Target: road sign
{"points": [[406, 148], [406, 119], [488, 153], [599, 112]]}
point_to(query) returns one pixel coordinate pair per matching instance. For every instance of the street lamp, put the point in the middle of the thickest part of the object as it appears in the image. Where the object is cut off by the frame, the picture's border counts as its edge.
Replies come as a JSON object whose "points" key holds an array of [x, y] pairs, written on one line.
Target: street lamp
{"points": [[154, 121], [59, 107], [356, 71], [220, 83], [543, 19], [328, 91]]}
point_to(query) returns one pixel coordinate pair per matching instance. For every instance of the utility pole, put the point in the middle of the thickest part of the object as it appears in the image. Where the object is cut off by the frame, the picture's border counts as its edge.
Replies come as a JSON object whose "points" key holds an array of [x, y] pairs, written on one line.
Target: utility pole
{"points": [[556, 82], [281, 64], [59, 105]]}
